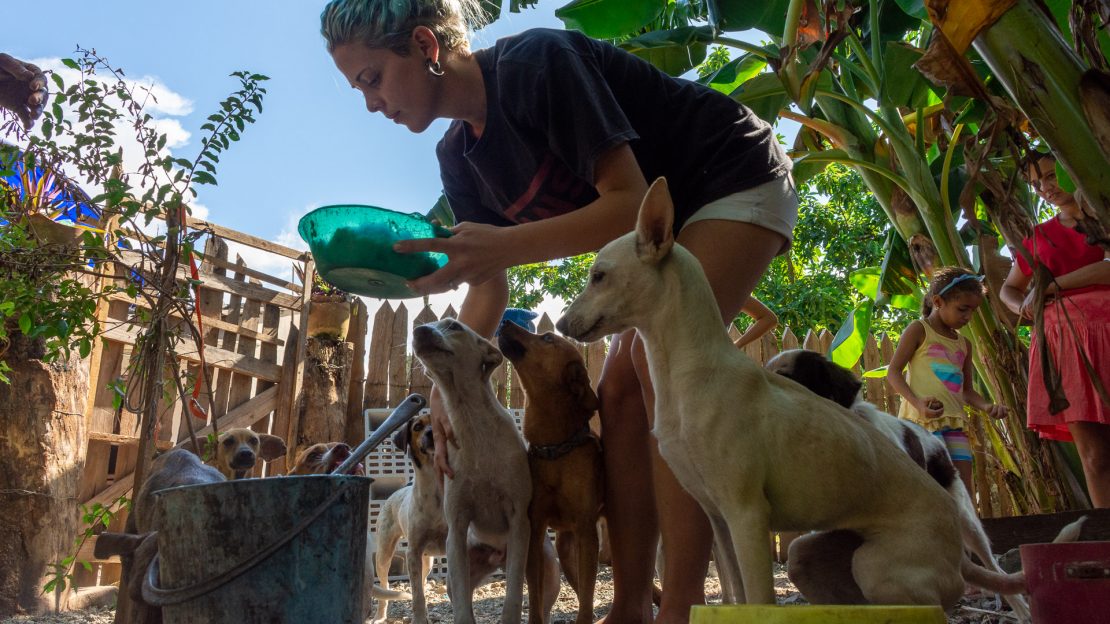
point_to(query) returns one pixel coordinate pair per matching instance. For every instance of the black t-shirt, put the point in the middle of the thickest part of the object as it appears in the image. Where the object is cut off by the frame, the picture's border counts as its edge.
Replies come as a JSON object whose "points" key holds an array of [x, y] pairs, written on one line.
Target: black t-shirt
{"points": [[557, 100]]}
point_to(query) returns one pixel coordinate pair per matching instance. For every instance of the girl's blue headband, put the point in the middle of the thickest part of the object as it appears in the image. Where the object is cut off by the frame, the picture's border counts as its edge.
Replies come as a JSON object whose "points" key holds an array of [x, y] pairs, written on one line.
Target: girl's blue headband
{"points": [[957, 280]]}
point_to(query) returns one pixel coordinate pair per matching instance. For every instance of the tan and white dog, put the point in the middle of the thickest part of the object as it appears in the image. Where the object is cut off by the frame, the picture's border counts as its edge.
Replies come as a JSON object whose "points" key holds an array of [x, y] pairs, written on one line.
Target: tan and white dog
{"points": [[836, 383], [760, 452], [415, 513], [487, 500]]}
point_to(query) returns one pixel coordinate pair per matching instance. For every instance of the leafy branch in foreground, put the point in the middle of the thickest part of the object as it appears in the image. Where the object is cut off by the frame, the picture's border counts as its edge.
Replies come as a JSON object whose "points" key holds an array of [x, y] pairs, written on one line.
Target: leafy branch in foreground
{"points": [[52, 276]]}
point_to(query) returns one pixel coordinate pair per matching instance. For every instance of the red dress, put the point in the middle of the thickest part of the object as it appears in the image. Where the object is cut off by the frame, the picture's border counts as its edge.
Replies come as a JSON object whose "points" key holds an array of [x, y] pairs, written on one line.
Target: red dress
{"points": [[1063, 250]]}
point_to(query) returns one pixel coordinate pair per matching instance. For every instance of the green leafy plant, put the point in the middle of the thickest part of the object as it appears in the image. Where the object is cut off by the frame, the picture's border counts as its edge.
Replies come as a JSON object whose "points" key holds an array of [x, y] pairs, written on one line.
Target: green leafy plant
{"points": [[50, 289], [96, 518]]}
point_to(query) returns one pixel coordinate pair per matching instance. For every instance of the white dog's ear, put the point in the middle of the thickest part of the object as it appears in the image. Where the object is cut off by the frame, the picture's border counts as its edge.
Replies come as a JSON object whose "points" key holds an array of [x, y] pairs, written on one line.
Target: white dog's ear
{"points": [[491, 359], [654, 238]]}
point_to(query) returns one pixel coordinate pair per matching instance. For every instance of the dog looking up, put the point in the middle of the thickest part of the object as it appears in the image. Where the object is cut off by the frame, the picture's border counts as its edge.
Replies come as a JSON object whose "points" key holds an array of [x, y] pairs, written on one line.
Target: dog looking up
{"points": [[836, 383], [487, 500], [415, 513], [564, 457], [888, 534], [323, 458], [238, 450]]}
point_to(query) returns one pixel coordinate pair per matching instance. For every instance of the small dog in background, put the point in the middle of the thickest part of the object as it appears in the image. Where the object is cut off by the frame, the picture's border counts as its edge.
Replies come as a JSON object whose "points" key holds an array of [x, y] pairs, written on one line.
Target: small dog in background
{"points": [[838, 384], [564, 457], [237, 451], [323, 458]]}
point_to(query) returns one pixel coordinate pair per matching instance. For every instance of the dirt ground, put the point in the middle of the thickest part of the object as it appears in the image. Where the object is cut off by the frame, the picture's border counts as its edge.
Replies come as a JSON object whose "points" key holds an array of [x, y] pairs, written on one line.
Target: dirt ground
{"points": [[487, 605]]}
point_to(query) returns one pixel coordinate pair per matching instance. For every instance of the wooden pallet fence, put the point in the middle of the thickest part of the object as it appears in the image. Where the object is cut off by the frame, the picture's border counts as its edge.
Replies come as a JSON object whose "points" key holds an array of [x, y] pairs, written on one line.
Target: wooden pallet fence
{"points": [[250, 330]]}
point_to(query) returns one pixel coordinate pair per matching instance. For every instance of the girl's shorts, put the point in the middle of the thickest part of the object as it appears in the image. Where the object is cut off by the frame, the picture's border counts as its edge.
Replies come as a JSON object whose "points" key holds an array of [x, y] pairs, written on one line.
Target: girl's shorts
{"points": [[772, 205], [956, 441]]}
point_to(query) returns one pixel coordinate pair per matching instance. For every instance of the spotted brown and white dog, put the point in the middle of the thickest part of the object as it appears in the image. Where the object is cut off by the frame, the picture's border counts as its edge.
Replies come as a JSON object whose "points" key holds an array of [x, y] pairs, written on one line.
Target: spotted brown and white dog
{"points": [[838, 384]]}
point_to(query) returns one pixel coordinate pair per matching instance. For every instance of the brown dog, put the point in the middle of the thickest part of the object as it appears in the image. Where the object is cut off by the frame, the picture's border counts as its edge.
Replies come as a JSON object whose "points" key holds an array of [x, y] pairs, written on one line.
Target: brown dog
{"points": [[564, 457], [238, 451], [322, 458], [137, 547]]}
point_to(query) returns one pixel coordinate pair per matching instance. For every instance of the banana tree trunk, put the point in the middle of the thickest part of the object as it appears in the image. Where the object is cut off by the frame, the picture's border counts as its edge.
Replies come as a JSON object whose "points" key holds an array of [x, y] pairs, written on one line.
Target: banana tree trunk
{"points": [[1049, 82]]}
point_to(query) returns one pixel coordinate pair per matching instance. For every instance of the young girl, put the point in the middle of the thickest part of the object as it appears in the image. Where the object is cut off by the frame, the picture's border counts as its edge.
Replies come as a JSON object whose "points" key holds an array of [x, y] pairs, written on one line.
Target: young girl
{"points": [[553, 139], [938, 384]]}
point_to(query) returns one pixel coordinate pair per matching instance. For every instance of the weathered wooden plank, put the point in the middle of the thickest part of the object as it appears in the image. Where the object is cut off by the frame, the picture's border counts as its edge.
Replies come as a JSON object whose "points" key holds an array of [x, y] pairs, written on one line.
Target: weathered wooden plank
{"points": [[419, 381], [398, 357], [516, 391], [220, 358], [545, 324], [116, 439], [376, 390], [209, 302], [595, 360], [812, 341], [211, 322], [243, 416], [246, 239], [293, 374], [250, 319], [94, 477], [768, 347], [893, 400], [222, 263], [500, 378], [1011, 532], [789, 340], [873, 388], [356, 335], [230, 285]]}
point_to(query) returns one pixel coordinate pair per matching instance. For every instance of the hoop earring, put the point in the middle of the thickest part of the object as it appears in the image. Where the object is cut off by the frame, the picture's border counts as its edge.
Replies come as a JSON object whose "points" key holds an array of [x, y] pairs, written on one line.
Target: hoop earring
{"points": [[434, 68]]}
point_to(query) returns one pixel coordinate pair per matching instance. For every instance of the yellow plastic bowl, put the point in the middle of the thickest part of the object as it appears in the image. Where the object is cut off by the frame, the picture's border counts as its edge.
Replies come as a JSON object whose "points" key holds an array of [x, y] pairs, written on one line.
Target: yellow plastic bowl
{"points": [[816, 614]]}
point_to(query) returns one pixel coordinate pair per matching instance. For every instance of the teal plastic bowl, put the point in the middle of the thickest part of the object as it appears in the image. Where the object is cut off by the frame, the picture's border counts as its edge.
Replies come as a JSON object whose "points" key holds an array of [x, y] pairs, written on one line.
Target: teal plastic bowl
{"points": [[353, 248]]}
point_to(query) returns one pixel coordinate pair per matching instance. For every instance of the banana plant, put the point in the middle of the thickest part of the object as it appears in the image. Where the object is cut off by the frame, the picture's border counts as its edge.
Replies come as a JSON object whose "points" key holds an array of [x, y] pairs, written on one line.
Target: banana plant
{"points": [[847, 73]]}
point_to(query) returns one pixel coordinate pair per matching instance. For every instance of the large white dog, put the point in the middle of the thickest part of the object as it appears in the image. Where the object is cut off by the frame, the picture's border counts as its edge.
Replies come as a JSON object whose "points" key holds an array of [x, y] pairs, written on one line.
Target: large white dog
{"points": [[760, 452]]}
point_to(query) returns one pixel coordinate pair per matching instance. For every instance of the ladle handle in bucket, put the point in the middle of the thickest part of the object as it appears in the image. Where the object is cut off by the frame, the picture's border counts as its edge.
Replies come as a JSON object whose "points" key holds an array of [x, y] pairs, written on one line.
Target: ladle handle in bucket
{"points": [[403, 413]]}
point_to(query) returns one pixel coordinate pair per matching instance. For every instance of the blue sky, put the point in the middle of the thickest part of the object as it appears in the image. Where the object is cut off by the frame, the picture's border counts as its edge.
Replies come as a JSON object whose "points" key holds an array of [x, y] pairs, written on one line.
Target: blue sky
{"points": [[314, 144]]}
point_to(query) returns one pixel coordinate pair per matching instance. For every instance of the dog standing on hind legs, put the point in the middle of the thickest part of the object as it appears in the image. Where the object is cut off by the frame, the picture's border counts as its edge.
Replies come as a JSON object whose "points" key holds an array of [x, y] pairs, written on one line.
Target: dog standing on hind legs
{"points": [[487, 500], [415, 512], [724, 426], [565, 461]]}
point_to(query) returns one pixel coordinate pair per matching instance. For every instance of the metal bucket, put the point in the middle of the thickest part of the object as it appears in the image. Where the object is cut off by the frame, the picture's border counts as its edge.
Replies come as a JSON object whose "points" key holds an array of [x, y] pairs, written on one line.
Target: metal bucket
{"points": [[282, 549], [1068, 582]]}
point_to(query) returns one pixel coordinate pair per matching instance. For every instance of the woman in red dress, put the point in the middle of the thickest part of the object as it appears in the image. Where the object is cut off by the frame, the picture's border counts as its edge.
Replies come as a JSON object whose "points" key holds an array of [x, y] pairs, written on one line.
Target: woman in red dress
{"points": [[1080, 293]]}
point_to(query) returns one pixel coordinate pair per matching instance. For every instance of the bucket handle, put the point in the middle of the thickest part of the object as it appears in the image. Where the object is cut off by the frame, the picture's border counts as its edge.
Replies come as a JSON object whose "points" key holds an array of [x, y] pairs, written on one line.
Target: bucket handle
{"points": [[159, 597]]}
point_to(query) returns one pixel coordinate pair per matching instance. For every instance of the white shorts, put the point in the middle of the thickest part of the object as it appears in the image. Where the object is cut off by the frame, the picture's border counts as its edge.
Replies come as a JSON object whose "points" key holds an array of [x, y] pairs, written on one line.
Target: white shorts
{"points": [[772, 205]]}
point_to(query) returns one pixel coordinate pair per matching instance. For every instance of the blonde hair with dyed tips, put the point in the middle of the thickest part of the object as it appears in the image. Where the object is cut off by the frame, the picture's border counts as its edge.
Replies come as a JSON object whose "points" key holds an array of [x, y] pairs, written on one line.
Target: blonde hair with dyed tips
{"points": [[388, 24]]}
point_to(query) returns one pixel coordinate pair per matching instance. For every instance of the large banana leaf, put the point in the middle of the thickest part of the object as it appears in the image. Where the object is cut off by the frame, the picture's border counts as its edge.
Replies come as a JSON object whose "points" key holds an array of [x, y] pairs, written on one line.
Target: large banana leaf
{"points": [[764, 94], [768, 16], [902, 85], [735, 73], [675, 51], [609, 19]]}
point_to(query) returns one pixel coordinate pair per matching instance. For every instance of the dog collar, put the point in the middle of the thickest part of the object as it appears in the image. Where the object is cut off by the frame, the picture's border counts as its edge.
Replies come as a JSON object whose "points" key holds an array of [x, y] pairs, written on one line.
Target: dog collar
{"points": [[555, 451]]}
